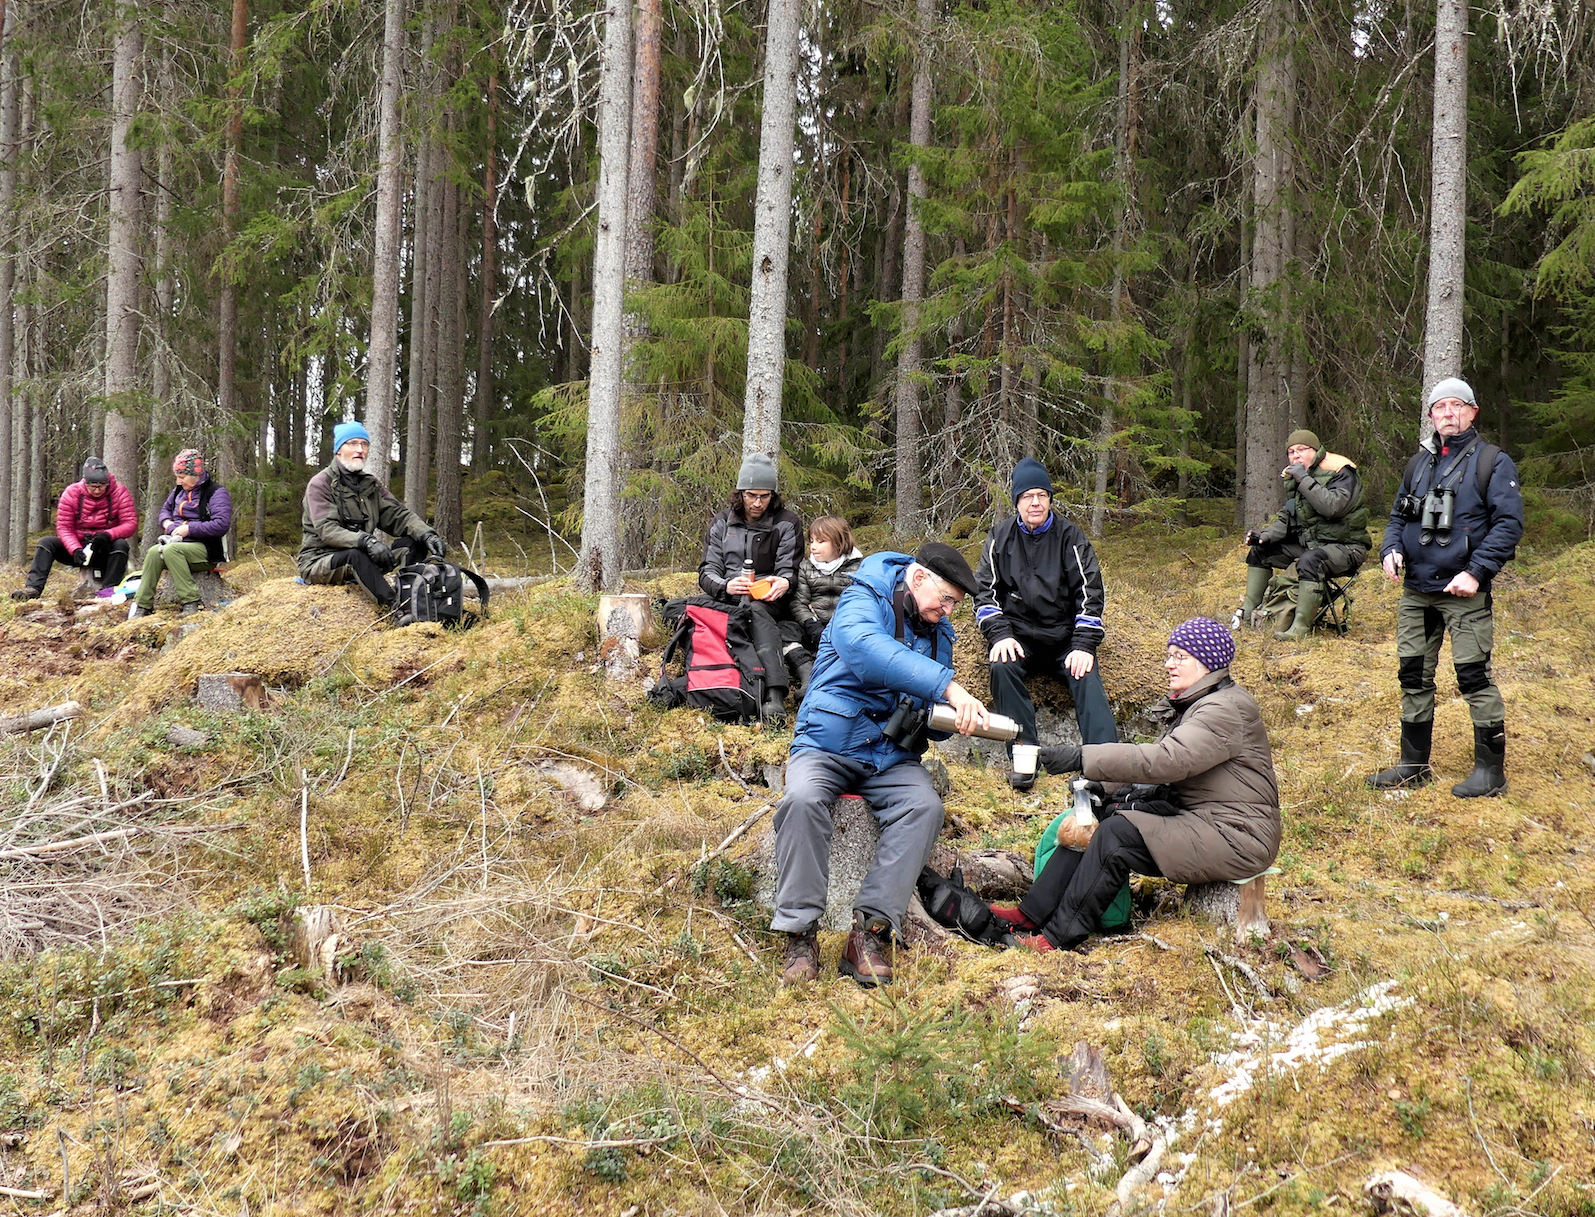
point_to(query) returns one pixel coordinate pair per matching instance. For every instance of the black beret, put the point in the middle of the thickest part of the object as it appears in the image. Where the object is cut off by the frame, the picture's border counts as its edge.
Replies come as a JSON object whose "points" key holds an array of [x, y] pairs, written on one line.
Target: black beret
{"points": [[947, 563]]}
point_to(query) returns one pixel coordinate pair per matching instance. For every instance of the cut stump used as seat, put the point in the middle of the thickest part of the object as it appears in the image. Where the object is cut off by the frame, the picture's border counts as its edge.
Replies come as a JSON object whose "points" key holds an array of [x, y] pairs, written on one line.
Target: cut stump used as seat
{"points": [[214, 590], [855, 833], [1237, 902]]}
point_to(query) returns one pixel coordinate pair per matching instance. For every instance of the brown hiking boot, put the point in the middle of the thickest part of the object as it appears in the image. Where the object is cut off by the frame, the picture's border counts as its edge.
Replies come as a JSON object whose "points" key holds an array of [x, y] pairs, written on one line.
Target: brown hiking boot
{"points": [[802, 959], [867, 955]]}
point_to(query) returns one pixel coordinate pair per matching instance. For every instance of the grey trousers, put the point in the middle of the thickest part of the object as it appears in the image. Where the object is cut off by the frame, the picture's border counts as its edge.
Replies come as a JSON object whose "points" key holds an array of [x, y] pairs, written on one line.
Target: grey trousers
{"points": [[903, 801]]}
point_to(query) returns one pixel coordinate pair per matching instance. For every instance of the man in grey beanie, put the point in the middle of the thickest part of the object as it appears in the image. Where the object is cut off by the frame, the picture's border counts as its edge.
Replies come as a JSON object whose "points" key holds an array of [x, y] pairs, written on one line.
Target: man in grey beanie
{"points": [[1455, 523], [751, 553]]}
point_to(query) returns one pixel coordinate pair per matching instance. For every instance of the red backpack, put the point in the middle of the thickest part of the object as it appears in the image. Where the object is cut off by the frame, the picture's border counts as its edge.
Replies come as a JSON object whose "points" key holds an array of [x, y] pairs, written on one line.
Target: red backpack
{"points": [[721, 672]]}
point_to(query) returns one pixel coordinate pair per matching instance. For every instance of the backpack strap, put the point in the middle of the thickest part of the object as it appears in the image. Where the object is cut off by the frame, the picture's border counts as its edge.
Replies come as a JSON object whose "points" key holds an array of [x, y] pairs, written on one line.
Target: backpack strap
{"points": [[1486, 470], [481, 586]]}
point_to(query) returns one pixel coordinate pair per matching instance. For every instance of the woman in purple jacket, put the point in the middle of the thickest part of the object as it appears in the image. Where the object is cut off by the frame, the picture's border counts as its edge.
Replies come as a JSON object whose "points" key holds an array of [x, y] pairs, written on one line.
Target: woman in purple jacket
{"points": [[196, 516]]}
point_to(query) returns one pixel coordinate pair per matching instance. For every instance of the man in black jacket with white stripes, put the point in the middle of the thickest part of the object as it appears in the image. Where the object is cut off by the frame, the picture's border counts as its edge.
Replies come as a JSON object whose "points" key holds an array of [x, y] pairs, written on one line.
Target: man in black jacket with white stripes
{"points": [[1039, 603]]}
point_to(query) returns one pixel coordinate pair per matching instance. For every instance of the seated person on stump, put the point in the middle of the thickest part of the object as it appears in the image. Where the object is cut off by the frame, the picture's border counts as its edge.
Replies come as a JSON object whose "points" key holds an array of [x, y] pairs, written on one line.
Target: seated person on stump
{"points": [[1455, 522], [345, 508], [1323, 529], [889, 643], [194, 520], [1213, 751], [94, 520], [1039, 604], [751, 553]]}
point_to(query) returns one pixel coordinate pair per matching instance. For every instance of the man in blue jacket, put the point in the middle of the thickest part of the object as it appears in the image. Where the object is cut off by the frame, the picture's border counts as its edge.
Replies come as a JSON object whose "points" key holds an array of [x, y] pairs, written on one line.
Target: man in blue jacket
{"points": [[1455, 523], [890, 642]]}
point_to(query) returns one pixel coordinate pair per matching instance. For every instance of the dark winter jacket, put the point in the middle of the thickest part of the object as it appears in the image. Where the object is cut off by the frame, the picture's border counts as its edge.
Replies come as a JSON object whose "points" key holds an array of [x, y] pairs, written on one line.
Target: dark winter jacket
{"points": [[78, 516], [1323, 505], [207, 510], [341, 506], [774, 541], [1214, 751], [1043, 586], [862, 669], [814, 601], [1485, 528]]}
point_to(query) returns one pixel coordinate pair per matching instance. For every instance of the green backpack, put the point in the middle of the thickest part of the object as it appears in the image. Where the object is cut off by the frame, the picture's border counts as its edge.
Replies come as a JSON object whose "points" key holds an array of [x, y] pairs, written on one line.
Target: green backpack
{"points": [[1116, 916]]}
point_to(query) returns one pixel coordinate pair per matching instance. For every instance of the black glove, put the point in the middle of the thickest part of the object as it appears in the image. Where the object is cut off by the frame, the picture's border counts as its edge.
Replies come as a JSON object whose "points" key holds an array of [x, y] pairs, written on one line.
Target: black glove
{"points": [[436, 546], [102, 539], [1253, 537], [79, 558], [1065, 758], [377, 551]]}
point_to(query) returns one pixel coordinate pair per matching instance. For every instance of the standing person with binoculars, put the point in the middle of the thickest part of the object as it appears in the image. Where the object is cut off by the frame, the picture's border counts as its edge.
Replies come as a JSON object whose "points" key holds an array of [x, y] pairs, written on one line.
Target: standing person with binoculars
{"points": [[1455, 523], [885, 662]]}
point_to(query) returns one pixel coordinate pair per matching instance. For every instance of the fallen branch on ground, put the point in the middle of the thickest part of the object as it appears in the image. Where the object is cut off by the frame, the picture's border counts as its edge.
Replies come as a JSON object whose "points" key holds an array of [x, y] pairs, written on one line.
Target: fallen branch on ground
{"points": [[730, 840], [19, 724]]}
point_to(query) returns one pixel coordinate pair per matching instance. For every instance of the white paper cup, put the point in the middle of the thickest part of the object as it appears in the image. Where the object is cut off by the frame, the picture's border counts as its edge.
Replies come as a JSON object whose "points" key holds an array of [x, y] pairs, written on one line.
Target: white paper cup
{"points": [[1024, 757]]}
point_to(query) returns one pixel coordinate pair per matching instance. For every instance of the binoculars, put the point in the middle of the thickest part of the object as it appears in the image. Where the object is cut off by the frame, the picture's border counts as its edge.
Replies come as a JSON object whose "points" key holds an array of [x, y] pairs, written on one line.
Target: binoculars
{"points": [[1433, 514]]}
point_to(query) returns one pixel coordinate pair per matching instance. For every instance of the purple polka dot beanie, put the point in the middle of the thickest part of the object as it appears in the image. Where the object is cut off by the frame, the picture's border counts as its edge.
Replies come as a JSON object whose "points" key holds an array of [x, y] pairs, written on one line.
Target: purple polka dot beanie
{"points": [[1206, 641]]}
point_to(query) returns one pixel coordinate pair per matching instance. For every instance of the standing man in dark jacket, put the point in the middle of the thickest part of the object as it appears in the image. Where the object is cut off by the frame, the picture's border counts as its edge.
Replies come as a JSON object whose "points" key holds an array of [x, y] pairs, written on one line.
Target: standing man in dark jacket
{"points": [[890, 642], [195, 519], [1455, 523], [752, 552], [1039, 602], [345, 507], [93, 523], [1323, 529]]}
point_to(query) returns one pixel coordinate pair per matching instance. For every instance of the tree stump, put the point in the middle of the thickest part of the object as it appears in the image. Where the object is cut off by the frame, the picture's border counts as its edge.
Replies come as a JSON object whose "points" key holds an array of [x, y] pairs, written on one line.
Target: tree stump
{"points": [[231, 692], [995, 874], [855, 834], [214, 590], [318, 934], [628, 616], [1240, 904]]}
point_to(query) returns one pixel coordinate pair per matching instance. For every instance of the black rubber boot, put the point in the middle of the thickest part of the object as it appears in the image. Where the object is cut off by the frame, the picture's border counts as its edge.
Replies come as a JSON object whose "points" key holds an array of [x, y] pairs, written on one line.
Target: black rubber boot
{"points": [[1417, 740], [773, 711], [802, 669], [1488, 778]]}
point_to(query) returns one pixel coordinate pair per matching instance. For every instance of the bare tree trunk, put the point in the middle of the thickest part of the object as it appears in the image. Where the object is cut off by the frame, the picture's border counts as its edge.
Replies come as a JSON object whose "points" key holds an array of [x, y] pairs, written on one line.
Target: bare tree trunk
{"points": [[450, 337], [1268, 380], [642, 200], [227, 329], [1243, 363], [482, 448], [122, 266], [161, 368], [420, 276], [598, 566], [1448, 198], [10, 65], [910, 492], [383, 352], [1122, 141], [953, 404], [772, 235]]}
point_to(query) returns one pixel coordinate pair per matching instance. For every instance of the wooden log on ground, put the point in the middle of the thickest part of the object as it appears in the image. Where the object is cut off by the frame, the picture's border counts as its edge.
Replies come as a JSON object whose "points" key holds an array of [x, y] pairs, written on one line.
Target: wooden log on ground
{"points": [[1239, 904], [21, 723], [230, 692], [1399, 1193]]}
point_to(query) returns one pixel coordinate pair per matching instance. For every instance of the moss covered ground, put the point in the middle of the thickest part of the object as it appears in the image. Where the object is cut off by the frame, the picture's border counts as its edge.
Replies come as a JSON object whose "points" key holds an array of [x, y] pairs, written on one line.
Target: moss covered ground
{"points": [[537, 1007]]}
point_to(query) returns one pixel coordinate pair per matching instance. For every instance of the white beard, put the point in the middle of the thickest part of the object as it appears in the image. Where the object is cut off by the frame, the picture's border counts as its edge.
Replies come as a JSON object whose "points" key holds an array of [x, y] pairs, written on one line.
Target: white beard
{"points": [[354, 464]]}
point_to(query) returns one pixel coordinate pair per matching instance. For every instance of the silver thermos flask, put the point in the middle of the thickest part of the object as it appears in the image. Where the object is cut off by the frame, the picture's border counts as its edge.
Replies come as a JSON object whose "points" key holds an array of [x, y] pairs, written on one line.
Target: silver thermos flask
{"points": [[999, 726]]}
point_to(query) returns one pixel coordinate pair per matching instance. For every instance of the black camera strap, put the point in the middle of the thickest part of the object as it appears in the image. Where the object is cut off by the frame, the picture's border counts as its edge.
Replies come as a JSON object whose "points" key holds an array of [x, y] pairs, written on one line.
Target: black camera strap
{"points": [[900, 612]]}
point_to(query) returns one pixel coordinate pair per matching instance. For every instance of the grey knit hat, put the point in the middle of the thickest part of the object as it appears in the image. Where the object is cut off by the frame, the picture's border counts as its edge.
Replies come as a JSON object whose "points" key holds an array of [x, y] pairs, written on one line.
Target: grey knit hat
{"points": [[757, 473], [1450, 387]]}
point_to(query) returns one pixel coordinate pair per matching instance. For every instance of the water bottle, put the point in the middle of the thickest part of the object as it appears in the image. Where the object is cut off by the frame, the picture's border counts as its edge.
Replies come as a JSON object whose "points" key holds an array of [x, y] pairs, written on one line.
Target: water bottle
{"points": [[747, 573], [1084, 803], [998, 726]]}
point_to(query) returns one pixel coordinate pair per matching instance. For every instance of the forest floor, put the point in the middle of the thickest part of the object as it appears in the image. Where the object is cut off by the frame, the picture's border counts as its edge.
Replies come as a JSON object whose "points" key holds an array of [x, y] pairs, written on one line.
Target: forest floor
{"points": [[539, 1002]]}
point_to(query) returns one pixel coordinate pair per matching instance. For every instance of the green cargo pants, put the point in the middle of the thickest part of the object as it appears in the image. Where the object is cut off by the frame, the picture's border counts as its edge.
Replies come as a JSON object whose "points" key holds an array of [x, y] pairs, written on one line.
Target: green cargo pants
{"points": [[180, 559], [1422, 620]]}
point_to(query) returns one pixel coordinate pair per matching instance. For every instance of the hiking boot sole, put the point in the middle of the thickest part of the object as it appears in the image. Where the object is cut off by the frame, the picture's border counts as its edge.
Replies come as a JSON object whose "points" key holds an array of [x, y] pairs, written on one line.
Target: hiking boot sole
{"points": [[848, 968]]}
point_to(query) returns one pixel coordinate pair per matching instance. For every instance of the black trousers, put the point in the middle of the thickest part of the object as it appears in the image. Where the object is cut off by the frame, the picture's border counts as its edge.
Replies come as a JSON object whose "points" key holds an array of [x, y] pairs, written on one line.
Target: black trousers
{"points": [[1073, 890], [358, 565], [108, 563], [1010, 693], [778, 638]]}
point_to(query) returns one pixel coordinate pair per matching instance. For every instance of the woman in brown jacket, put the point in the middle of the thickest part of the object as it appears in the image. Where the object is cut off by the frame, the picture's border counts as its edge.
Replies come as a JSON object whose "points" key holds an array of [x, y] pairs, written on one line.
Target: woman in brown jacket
{"points": [[1214, 752]]}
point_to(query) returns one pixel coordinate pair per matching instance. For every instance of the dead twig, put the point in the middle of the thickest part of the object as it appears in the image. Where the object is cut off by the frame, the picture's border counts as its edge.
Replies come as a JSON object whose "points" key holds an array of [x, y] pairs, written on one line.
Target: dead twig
{"points": [[20, 724], [1245, 969], [731, 839]]}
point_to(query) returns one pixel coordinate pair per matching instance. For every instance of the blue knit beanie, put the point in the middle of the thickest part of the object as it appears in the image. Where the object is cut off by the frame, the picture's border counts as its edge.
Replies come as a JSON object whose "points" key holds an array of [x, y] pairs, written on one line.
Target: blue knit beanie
{"points": [[1030, 474], [1205, 641], [344, 432]]}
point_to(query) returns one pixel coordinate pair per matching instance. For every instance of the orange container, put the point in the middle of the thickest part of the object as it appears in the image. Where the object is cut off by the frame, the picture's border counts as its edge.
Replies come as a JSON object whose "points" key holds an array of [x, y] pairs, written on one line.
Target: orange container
{"points": [[760, 589]]}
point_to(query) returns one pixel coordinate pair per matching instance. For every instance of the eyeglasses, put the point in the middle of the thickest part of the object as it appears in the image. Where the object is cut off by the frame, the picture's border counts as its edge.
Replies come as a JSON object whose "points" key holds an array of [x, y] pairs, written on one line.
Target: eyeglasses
{"points": [[1450, 405], [1035, 496], [948, 600], [757, 496], [359, 445]]}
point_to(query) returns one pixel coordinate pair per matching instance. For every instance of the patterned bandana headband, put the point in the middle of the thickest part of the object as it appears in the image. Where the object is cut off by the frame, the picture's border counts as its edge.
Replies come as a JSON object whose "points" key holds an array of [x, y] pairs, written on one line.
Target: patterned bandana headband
{"points": [[188, 461], [1205, 641]]}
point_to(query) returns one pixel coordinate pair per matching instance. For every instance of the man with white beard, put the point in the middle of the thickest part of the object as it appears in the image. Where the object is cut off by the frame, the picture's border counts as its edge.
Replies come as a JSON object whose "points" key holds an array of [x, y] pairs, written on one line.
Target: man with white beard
{"points": [[345, 509]]}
